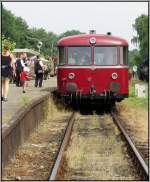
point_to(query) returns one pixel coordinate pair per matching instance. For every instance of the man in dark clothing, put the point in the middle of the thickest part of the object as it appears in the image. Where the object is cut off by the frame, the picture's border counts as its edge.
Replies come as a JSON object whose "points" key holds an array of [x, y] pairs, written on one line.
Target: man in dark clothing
{"points": [[19, 67], [25, 59], [38, 67]]}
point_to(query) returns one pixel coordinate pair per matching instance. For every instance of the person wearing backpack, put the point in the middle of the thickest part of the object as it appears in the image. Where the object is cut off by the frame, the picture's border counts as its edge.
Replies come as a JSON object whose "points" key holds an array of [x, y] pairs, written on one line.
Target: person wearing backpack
{"points": [[39, 70], [19, 68]]}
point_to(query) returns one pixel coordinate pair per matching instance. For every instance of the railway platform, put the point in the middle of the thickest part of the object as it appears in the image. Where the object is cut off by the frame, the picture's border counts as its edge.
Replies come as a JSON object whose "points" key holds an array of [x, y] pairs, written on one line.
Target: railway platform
{"points": [[17, 99]]}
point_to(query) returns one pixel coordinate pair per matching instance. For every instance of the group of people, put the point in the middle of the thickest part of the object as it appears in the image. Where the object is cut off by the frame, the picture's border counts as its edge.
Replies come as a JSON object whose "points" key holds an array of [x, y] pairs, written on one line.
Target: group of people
{"points": [[19, 70]]}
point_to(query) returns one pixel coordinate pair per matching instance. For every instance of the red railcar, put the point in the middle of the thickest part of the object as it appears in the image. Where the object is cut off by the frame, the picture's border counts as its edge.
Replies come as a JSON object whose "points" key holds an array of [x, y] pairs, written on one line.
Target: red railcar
{"points": [[92, 67]]}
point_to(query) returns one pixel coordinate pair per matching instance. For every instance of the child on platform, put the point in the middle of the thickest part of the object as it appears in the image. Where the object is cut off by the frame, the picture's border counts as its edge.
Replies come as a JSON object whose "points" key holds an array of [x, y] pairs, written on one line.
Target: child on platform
{"points": [[24, 78]]}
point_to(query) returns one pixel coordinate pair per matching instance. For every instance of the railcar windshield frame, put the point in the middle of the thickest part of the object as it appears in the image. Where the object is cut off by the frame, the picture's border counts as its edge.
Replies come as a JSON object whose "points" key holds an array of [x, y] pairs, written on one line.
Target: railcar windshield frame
{"points": [[116, 55], [123, 55], [62, 55]]}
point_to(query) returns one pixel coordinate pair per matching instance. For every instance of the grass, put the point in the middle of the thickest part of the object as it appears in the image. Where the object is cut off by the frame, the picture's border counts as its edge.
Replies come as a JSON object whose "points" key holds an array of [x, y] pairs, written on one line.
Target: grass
{"points": [[24, 100], [95, 121], [46, 109], [133, 99], [134, 114], [83, 156]]}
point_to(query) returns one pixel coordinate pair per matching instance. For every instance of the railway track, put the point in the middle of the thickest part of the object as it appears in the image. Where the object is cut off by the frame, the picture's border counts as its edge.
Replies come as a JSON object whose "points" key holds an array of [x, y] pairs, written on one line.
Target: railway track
{"points": [[140, 165], [133, 148], [64, 143]]}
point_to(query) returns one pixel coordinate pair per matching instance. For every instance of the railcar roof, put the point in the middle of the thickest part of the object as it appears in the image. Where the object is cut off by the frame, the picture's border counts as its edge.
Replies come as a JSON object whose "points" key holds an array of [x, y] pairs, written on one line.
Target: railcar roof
{"points": [[84, 39]]}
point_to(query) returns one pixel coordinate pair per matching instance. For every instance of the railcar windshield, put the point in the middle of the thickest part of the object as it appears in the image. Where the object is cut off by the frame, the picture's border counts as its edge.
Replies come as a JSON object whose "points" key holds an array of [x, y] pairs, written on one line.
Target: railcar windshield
{"points": [[79, 56], [105, 56]]}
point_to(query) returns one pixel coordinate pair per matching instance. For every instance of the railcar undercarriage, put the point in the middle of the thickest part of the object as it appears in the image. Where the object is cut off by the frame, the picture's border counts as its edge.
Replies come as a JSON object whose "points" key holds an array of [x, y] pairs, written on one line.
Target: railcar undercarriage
{"points": [[106, 98]]}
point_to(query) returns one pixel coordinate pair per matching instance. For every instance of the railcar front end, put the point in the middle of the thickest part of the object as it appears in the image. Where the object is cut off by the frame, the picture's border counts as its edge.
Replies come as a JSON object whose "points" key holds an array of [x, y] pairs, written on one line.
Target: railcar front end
{"points": [[92, 68]]}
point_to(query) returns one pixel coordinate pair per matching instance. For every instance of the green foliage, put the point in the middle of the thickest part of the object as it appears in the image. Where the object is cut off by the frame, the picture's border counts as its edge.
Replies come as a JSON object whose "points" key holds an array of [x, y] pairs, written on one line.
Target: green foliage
{"points": [[16, 29], [6, 42], [141, 27], [134, 57], [49, 40], [138, 102], [133, 99], [69, 33]]}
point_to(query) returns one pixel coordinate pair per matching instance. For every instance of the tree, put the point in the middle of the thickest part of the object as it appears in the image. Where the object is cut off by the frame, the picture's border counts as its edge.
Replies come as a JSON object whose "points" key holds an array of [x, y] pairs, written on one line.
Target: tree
{"points": [[8, 23], [49, 40], [134, 57], [69, 33], [6, 42], [141, 27], [15, 29], [21, 30]]}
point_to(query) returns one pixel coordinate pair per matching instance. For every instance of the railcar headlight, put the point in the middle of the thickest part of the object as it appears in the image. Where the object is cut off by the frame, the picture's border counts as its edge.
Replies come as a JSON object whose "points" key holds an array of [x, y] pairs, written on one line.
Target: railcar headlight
{"points": [[71, 76], [114, 76]]}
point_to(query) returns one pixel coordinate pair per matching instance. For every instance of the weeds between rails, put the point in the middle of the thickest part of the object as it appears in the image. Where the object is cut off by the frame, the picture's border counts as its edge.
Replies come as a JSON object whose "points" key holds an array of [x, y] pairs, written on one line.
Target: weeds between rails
{"points": [[61, 171]]}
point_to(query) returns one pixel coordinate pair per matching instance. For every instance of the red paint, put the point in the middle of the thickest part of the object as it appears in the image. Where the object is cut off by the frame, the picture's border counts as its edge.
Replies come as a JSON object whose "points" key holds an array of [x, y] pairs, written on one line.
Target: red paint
{"points": [[100, 77], [85, 38]]}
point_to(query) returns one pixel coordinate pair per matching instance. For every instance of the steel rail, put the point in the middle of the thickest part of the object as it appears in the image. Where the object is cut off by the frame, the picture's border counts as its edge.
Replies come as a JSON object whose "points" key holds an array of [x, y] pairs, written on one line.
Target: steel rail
{"points": [[67, 134], [132, 146]]}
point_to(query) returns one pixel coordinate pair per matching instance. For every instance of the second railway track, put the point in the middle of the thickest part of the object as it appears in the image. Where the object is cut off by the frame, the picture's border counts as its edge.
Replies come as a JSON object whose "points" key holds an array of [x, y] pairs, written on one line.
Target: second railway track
{"points": [[97, 151], [137, 155]]}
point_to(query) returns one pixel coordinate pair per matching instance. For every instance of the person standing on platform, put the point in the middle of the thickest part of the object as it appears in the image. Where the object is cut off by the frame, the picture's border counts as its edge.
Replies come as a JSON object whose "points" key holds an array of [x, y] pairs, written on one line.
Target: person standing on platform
{"points": [[19, 68], [25, 59], [24, 78], [39, 70]]}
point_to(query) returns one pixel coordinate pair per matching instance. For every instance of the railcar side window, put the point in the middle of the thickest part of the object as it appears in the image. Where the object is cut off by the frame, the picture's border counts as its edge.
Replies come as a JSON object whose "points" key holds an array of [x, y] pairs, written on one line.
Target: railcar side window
{"points": [[79, 56], [124, 55], [105, 56], [61, 55]]}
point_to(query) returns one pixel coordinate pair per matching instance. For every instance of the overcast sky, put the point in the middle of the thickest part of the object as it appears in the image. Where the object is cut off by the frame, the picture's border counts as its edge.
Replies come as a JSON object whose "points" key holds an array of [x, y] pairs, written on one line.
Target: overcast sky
{"points": [[58, 17]]}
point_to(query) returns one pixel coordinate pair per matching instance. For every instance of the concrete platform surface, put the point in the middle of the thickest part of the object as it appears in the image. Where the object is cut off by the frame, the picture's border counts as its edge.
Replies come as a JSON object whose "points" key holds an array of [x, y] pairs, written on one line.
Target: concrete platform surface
{"points": [[17, 99]]}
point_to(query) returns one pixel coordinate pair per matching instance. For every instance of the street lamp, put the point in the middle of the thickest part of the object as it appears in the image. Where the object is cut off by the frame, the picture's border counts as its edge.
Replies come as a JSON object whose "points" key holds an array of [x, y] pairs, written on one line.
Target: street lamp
{"points": [[39, 45]]}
